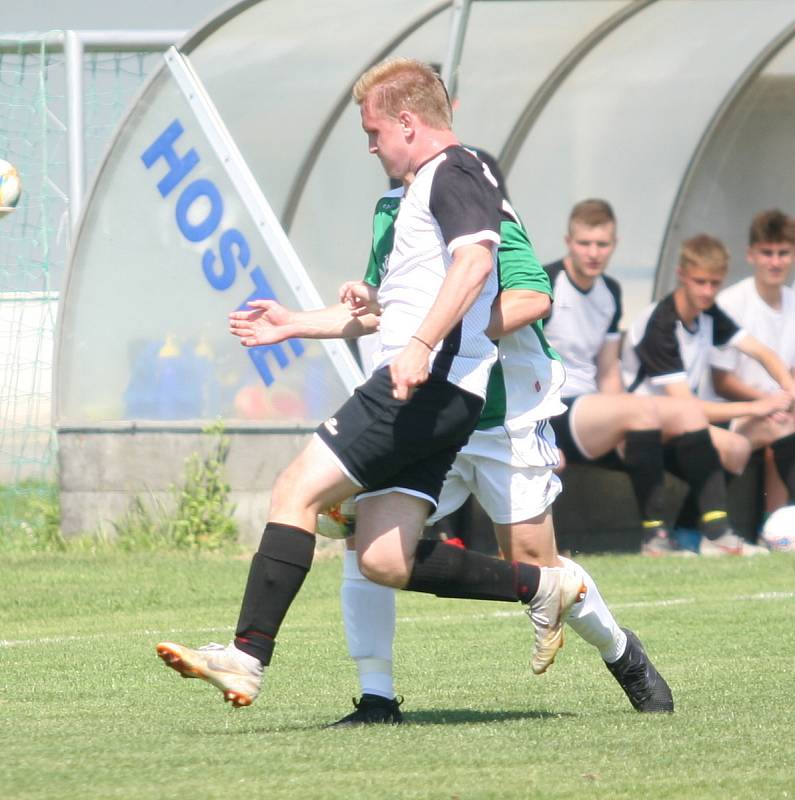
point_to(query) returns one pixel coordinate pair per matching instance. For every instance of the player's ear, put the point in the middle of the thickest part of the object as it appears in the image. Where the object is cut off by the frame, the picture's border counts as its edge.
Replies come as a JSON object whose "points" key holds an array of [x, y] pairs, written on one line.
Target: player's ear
{"points": [[406, 121]]}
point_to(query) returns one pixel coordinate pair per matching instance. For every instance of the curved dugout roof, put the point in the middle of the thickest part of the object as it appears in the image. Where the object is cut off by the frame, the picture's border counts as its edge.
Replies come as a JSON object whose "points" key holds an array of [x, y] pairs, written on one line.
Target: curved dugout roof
{"points": [[658, 105]]}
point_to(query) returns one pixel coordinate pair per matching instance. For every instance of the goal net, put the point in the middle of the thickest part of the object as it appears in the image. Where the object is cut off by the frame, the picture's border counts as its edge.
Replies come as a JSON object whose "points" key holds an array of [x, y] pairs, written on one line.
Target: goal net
{"points": [[35, 237]]}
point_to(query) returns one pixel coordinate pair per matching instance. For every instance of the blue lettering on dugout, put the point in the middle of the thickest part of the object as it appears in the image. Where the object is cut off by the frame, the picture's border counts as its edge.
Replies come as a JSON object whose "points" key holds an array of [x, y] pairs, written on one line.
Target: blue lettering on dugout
{"points": [[233, 248]]}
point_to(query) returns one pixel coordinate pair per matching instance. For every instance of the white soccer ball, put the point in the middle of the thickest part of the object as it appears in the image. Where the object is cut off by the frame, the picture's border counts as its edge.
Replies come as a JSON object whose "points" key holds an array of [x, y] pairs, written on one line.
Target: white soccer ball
{"points": [[10, 185], [778, 532]]}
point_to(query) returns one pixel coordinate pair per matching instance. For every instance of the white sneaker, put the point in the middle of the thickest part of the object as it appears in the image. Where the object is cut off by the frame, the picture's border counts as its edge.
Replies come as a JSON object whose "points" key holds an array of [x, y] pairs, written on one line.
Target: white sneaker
{"points": [[237, 674], [558, 590], [729, 544]]}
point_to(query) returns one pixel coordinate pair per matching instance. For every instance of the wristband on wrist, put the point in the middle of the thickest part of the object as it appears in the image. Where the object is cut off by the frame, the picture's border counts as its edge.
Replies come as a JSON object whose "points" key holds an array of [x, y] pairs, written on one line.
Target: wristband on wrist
{"points": [[422, 341]]}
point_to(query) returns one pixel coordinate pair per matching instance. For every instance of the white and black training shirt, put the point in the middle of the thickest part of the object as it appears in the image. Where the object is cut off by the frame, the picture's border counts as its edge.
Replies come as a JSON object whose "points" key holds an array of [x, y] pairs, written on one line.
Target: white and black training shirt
{"points": [[580, 323], [450, 203], [660, 349], [774, 327]]}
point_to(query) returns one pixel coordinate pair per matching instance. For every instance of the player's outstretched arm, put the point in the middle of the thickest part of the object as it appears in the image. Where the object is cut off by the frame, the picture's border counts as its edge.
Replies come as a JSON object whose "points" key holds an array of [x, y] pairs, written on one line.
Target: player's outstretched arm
{"points": [[267, 322], [512, 309]]}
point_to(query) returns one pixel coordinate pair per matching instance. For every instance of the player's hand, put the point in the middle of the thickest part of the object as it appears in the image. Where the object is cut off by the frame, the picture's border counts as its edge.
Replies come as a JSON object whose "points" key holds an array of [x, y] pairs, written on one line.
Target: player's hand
{"points": [[360, 297], [263, 322], [773, 404], [409, 369]]}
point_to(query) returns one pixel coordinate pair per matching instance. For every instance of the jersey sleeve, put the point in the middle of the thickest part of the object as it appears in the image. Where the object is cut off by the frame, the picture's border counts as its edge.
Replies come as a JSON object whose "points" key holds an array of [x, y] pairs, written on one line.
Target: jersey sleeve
{"points": [[658, 349], [491, 162], [724, 329], [372, 274], [383, 237], [518, 265], [613, 330], [465, 203]]}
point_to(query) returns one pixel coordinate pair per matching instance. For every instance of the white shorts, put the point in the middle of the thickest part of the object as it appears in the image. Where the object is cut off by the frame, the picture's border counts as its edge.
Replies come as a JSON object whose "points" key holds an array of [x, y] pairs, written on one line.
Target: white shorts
{"points": [[494, 467]]}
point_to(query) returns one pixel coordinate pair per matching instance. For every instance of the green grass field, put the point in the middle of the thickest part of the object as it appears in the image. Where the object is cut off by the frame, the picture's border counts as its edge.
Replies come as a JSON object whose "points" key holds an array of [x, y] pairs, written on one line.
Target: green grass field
{"points": [[88, 711]]}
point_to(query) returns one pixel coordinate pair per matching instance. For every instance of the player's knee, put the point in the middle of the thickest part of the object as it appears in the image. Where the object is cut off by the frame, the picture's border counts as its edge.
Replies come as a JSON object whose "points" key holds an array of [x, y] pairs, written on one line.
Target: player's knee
{"points": [[289, 493], [689, 414], [279, 493], [379, 568], [643, 414]]}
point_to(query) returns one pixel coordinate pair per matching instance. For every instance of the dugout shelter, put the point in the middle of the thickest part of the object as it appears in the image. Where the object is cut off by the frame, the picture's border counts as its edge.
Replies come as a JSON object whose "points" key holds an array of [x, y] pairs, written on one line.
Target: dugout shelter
{"points": [[680, 112]]}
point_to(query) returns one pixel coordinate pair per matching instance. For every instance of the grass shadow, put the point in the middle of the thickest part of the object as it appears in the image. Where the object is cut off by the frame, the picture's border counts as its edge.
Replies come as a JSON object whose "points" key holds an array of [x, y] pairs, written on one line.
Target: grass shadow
{"points": [[468, 716], [448, 716]]}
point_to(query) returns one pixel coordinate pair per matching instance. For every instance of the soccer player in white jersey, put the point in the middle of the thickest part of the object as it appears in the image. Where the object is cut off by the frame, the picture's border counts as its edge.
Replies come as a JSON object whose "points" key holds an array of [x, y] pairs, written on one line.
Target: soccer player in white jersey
{"points": [[604, 424], [508, 465], [668, 350], [764, 305], [393, 442]]}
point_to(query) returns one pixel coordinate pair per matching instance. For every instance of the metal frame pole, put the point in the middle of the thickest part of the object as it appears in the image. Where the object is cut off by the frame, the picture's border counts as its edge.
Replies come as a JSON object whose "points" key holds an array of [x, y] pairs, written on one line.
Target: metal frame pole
{"points": [[73, 55], [455, 45]]}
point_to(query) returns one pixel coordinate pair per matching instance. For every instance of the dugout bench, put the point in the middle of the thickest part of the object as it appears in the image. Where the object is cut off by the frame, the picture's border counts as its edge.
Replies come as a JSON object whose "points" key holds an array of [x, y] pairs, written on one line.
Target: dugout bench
{"points": [[597, 512]]}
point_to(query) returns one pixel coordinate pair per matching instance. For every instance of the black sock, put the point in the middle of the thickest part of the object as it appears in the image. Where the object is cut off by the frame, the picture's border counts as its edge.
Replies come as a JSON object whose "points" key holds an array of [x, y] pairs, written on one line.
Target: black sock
{"points": [[784, 456], [698, 463], [452, 572], [643, 457], [277, 571]]}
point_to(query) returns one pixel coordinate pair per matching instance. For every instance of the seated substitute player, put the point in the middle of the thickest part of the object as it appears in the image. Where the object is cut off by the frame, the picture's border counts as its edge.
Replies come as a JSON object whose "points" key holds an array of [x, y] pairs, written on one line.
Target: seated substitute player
{"points": [[667, 351], [606, 425], [393, 442], [764, 306], [508, 465]]}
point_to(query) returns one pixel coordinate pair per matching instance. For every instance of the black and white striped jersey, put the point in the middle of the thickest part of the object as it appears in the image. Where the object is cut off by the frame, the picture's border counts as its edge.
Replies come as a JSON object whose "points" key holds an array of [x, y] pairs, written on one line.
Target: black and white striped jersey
{"points": [[450, 203], [660, 349]]}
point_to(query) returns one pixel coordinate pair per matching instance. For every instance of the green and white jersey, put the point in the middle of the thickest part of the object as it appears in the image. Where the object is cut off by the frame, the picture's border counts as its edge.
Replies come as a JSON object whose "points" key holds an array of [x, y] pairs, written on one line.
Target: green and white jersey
{"points": [[525, 382]]}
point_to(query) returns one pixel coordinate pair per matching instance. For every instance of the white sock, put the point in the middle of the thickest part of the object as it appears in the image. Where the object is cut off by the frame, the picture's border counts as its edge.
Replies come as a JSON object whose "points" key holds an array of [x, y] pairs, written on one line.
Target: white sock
{"points": [[592, 621], [368, 613]]}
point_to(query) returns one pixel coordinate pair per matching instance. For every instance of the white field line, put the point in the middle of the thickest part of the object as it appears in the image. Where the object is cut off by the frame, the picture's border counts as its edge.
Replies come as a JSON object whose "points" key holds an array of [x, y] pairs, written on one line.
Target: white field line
{"points": [[677, 601]]}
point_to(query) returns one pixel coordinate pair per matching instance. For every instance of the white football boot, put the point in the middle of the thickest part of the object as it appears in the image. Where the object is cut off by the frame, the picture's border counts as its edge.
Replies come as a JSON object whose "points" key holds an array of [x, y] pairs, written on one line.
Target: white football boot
{"points": [[237, 674], [558, 590]]}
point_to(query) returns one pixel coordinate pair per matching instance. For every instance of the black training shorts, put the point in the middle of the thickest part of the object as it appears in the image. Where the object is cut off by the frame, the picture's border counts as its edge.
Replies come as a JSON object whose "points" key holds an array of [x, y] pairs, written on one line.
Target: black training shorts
{"points": [[567, 443], [382, 443]]}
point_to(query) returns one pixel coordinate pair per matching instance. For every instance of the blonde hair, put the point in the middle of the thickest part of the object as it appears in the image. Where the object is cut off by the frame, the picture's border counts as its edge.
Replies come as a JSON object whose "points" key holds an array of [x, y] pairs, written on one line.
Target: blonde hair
{"points": [[706, 252], [405, 84], [592, 213]]}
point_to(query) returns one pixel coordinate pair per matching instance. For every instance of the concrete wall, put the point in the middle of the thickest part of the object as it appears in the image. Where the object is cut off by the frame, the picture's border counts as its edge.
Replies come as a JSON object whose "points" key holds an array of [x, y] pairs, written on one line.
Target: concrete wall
{"points": [[101, 469]]}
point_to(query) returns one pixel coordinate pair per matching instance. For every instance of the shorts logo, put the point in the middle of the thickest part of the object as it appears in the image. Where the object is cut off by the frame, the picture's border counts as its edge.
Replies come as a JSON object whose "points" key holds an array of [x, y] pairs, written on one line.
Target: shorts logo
{"points": [[331, 425]]}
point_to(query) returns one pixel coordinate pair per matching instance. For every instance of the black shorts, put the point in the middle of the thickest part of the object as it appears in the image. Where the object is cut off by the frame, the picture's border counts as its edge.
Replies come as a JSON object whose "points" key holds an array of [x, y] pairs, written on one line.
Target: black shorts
{"points": [[382, 443], [561, 424]]}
